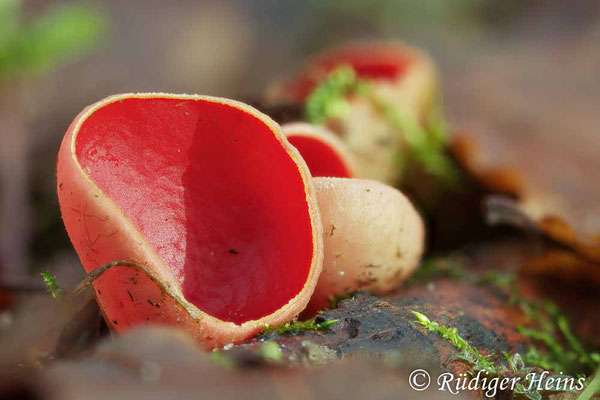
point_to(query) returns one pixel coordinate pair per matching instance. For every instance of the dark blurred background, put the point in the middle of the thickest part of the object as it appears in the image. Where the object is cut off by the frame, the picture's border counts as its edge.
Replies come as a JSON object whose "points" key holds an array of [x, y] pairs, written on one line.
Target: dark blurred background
{"points": [[522, 73]]}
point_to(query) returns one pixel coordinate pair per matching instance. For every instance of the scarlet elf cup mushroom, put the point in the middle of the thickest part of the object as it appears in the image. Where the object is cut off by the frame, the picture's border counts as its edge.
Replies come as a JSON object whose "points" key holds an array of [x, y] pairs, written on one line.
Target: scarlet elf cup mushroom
{"points": [[374, 238], [212, 208], [324, 153], [373, 235]]}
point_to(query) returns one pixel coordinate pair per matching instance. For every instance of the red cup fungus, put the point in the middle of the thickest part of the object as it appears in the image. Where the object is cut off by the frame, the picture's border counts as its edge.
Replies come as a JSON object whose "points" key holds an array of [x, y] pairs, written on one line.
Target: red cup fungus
{"points": [[373, 238], [324, 153], [400, 77], [210, 208]]}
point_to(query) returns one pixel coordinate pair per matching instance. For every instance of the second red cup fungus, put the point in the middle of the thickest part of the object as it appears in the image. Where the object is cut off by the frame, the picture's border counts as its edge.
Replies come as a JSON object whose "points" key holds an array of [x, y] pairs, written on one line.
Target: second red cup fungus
{"points": [[324, 153], [373, 238]]}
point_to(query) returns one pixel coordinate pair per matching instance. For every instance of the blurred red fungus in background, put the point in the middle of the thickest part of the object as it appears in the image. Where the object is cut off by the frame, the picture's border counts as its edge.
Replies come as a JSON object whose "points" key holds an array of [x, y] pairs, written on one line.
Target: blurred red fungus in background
{"points": [[375, 61]]}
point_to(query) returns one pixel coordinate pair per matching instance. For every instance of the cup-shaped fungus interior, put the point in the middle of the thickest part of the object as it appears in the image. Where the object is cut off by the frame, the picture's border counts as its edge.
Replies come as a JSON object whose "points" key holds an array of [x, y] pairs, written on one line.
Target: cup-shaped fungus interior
{"points": [[320, 156], [214, 193]]}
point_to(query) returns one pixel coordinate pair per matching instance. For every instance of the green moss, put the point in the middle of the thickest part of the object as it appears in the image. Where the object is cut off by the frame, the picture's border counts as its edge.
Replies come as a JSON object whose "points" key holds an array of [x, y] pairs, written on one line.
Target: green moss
{"points": [[268, 352], [328, 100], [298, 326], [221, 359], [515, 366], [271, 352], [555, 347], [436, 267], [426, 144], [592, 388], [425, 149], [469, 353], [50, 281], [558, 349]]}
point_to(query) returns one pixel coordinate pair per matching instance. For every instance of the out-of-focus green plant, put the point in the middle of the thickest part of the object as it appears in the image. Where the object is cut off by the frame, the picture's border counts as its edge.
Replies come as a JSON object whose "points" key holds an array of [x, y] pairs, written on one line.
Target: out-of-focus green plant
{"points": [[50, 280], [426, 144], [62, 33]]}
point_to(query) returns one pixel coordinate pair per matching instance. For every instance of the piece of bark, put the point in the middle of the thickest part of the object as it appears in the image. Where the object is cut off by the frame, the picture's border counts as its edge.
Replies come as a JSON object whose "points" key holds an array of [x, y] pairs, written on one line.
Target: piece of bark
{"points": [[369, 325]]}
